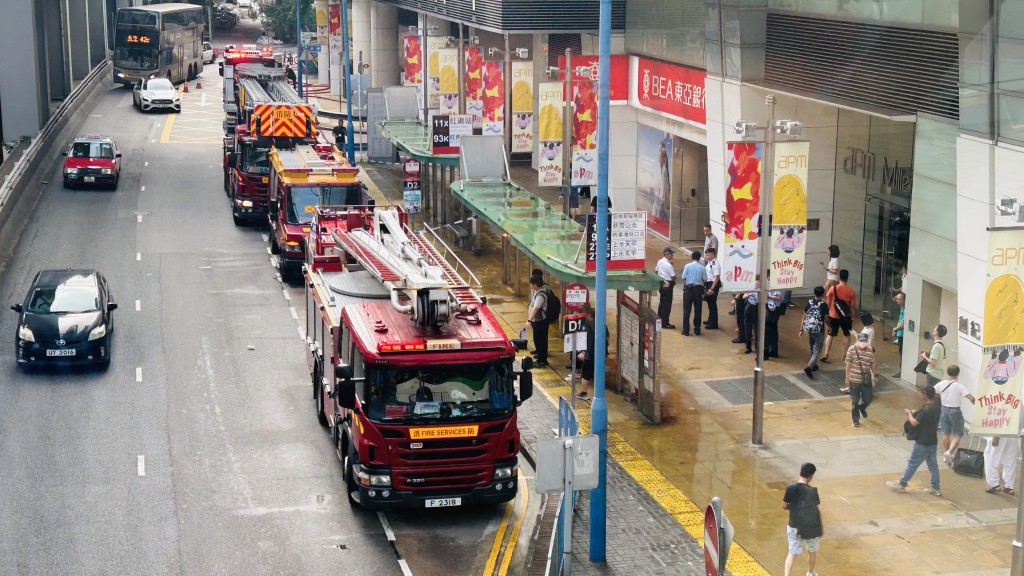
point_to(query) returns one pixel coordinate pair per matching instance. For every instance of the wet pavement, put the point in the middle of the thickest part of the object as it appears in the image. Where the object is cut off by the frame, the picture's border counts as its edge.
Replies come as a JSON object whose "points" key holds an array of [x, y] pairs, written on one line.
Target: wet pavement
{"points": [[661, 477]]}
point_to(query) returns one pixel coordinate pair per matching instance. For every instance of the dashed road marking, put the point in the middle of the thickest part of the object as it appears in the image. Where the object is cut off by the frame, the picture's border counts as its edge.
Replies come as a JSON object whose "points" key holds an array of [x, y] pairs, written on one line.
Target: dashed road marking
{"points": [[387, 526], [138, 374], [138, 305], [286, 295], [145, 163], [405, 567], [143, 189], [138, 256], [142, 465], [138, 218], [295, 314]]}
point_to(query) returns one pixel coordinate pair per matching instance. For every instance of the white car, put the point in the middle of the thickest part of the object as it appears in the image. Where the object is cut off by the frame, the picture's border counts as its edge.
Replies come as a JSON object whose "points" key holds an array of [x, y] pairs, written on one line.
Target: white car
{"points": [[155, 94], [208, 54]]}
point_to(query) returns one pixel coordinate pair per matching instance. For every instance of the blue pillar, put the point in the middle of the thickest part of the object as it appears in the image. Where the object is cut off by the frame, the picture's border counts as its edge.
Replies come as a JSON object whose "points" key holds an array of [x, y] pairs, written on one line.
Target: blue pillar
{"points": [[298, 46], [599, 409], [350, 150]]}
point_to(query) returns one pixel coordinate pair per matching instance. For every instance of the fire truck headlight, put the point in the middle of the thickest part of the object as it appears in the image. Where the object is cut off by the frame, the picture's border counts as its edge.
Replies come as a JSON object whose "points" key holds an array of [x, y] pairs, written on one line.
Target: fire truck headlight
{"points": [[367, 479], [71, 170], [292, 246], [502, 472], [243, 203]]}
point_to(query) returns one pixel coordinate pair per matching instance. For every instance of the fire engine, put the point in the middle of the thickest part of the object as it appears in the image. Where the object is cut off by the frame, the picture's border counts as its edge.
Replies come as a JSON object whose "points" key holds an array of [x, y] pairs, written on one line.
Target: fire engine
{"points": [[411, 372], [301, 179], [266, 112]]}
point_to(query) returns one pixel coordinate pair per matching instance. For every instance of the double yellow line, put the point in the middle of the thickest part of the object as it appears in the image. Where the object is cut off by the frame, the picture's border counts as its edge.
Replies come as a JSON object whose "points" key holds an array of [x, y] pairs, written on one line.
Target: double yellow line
{"points": [[501, 549]]}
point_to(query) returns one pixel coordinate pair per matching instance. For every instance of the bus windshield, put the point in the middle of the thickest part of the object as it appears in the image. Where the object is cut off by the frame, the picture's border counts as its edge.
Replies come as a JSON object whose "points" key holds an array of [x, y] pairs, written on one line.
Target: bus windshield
{"points": [[137, 49], [438, 393], [303, 200]]}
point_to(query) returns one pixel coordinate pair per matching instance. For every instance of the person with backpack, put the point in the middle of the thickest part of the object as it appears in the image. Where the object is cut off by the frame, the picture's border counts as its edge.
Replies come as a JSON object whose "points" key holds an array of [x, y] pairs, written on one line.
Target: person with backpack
{"points": [[842, 304], [804, 529], [544, 308], [813, 325]]}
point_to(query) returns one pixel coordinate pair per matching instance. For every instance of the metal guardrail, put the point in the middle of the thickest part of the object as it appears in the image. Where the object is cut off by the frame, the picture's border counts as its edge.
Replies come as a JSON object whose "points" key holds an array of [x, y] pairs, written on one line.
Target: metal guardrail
{"points": [[449, 256]]}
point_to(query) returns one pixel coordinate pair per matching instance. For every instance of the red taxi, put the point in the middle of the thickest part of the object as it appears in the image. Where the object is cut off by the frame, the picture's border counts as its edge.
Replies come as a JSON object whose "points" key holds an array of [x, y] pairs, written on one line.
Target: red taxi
{"points": [[91, 160]]}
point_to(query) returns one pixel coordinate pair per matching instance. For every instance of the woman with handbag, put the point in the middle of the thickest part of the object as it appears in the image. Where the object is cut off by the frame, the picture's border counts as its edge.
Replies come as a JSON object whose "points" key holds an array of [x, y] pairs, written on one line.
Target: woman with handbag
{"points": [[860, 377]]}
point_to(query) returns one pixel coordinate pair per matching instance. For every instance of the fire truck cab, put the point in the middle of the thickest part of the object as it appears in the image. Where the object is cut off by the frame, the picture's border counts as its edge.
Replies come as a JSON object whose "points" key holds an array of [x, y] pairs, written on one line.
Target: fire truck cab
{"points": [[411, 371], [301, 179]]}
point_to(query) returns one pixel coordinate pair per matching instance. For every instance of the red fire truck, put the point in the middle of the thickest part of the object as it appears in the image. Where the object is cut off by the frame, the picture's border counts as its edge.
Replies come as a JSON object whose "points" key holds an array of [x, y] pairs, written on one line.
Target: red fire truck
{"points": [[265, 112], [301, 179], [411, 371]]}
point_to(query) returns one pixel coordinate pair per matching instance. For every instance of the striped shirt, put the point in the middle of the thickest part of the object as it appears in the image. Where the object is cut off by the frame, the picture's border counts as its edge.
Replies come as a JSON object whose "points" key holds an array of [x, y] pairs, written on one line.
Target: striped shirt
{"points": [[860, 361]]}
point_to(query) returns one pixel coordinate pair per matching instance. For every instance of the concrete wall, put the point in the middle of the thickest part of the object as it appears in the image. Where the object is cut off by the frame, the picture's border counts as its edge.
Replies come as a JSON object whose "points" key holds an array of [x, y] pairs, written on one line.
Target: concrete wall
{"points": [[97, 31], [77, 38], [19, 89]]}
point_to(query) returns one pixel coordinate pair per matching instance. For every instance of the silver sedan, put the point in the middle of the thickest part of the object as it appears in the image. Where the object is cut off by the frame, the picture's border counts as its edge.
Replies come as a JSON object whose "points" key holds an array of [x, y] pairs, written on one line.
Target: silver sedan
{"points": [[155, 94]]}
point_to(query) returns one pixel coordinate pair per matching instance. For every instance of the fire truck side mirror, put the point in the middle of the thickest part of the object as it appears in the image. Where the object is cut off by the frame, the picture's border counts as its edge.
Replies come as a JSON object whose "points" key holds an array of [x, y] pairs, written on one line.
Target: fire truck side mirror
{"points": [[525, 386]]}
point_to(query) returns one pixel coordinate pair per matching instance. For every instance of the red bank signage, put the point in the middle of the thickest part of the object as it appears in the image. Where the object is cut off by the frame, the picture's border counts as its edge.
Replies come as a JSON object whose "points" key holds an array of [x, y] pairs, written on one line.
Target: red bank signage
{"points": [[619, 82], [670, 89]]}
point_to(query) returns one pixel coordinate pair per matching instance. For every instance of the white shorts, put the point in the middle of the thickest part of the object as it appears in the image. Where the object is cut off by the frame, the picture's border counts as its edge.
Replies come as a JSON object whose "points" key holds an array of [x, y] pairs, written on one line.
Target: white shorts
{"points": [[796, 543]]}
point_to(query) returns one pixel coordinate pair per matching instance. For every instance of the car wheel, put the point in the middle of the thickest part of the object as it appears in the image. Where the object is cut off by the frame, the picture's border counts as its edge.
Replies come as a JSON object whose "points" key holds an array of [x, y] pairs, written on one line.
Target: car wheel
{"points": [[274, 247], [117, 179]]}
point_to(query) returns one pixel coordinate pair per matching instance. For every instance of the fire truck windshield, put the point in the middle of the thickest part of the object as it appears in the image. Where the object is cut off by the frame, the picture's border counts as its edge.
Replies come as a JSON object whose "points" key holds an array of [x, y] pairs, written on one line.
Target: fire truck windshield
{"points": [[255, 160], [305, 199], [441, 393]]}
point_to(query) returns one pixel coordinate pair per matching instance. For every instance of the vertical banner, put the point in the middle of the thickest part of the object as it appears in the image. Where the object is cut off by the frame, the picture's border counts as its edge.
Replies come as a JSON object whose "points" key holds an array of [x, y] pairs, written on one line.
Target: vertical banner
{"points": [[549, 133], [789, 215], [433, 71], [494, 98], [474, 79], [522, 106], [997, 409], [448, 83], [334, 27], [654, 177], [322, 22], [412, 61], [742, 199], [584, 131]]}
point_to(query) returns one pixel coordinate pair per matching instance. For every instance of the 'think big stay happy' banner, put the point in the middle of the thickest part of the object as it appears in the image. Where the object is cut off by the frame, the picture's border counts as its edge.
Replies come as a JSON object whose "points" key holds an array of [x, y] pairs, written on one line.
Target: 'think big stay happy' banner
{"points": [[549, 133], [742, 200], [789, 215], [997, 408]]}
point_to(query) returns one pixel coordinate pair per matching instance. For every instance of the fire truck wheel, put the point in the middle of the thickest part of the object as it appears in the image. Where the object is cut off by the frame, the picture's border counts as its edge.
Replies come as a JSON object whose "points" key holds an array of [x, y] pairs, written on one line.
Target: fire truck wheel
{"points": [[274, 248], [350, 481]]}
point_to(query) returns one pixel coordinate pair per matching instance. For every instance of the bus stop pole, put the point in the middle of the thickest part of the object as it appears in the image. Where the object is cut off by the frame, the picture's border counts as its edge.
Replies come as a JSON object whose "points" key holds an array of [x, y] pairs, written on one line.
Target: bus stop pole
{"points": [[298, 46], [350, 148]]}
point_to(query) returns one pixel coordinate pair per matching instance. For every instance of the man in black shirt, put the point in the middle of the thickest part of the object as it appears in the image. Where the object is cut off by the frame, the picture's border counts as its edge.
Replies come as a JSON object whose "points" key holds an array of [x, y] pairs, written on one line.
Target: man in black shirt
{"points": [[340, 132], [798, 497], [926, 423]]}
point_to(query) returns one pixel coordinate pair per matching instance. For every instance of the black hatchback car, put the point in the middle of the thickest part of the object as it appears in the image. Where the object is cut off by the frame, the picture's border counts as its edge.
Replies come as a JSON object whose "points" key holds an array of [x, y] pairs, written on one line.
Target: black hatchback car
{"points": [[65, 319]]}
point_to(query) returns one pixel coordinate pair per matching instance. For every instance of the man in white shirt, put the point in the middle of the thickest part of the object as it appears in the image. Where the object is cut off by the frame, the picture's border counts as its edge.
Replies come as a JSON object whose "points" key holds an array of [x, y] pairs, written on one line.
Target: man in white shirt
{"points": [[667, 272], [712, 287], [951, 420]]}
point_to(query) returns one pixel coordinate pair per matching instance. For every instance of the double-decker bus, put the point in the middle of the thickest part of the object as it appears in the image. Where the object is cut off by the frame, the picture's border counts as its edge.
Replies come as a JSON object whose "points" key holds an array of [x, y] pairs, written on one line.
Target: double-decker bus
{"points": [[158, 40]]}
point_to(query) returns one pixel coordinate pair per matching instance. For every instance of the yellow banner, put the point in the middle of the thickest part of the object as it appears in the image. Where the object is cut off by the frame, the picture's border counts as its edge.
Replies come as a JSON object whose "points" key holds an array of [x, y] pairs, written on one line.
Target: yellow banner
{"points": [[997, 409], [789, 214], [522, 106], [448, 80], [468, 431], [434, 45], [549, 133]]}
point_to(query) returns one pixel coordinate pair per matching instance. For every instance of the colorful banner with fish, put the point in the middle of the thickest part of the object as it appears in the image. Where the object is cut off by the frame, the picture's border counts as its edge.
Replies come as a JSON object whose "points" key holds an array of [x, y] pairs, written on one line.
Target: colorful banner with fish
{"points": [[494, 99], [448, 84], [997, 406], [742, 200], [522, 106], [584, 131], [474, 85], [549, 133], [789, 215]]}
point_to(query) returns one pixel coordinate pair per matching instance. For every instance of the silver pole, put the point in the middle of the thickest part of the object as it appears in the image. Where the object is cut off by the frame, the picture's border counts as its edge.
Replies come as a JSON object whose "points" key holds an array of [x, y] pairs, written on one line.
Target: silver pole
{"points": [[763, 264], [508, 98], [567, 131], [461, 64], [572, 373]]}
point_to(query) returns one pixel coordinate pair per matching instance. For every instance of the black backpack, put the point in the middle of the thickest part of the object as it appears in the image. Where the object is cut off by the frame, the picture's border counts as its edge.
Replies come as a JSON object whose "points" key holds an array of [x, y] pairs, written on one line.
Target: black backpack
{"points": [[842, 308], [807, 516], [552, 307]]}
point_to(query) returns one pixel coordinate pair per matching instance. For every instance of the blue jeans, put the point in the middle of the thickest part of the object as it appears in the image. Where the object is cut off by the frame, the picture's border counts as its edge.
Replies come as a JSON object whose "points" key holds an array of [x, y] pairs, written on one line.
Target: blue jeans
{"points": [[921, 453]]}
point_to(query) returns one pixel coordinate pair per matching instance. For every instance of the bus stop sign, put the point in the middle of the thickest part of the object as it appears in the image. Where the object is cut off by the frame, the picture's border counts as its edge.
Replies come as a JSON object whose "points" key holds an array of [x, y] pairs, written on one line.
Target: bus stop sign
{"points": [[576, 296]]}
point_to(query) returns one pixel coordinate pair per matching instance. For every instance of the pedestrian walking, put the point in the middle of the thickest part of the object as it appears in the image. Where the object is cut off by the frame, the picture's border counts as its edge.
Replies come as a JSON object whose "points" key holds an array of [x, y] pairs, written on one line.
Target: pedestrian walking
{"points": [[860, 377], [951, 420], [923, 429], [1001, 452], [537, 318], [340, 133], [667, 272], [710, 241], [694, 277], [804, 528], [842, 304], [832, 268], [897, 331], [936, 357], [712, 286], [813, 324]]}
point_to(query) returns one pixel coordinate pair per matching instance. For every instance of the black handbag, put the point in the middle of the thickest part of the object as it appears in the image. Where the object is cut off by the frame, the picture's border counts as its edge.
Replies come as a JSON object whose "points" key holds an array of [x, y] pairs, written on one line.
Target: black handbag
{"points": [[922, 367], [909, 430], [969, 462]]}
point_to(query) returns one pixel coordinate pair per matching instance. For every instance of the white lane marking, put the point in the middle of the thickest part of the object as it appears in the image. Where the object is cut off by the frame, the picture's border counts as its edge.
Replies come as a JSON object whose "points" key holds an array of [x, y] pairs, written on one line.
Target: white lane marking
{"points": [[302, 335], [405, 567], [268, 249], [143, 189], [138, 256], [265, 238], [145, 163], [387, 526], [295, 314], [286, 295], [138, 374], [152, 141], [138, 218], [142, 465], [138, 305]]}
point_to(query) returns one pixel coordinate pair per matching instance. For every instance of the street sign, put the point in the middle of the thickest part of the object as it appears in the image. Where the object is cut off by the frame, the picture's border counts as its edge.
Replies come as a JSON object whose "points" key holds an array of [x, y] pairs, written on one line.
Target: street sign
{"points": [[575, 296], [412, 195], [447, 131], [574, 328], [314, 48], [627, 241], [718, 534], [551, 467], [412, 167]]}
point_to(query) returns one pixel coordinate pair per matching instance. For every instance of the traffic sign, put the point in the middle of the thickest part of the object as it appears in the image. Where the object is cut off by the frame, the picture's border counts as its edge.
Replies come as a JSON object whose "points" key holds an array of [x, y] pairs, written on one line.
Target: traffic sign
{"points": [[314, 48], [576, 296], [718, 533], [574, 332], [412, 167]]}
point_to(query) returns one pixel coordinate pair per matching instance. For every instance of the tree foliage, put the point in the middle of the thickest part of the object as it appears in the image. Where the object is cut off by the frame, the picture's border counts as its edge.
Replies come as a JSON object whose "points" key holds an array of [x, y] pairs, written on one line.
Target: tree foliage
{"points": [[279, 18]]}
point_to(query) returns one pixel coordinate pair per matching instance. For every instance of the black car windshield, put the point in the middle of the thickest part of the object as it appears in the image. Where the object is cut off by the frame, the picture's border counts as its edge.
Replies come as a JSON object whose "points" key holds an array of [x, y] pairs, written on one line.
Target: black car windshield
{"points": [[305, 199], [438, 393], [64, 300]]}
